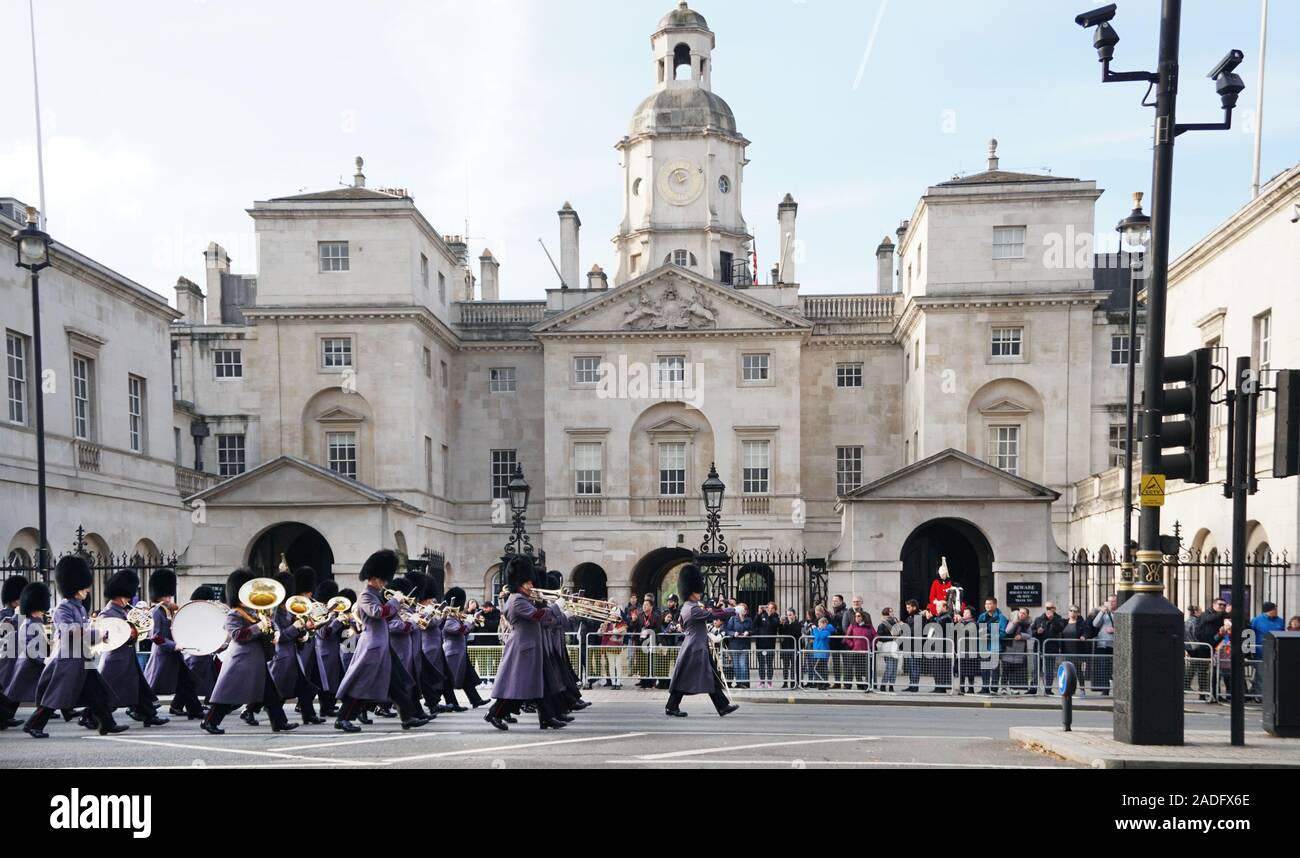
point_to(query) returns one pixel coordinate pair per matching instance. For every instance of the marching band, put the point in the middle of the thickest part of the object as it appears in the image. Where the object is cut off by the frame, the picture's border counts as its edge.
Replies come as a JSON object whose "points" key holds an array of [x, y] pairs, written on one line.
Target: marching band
{"points": [[293, 638]]}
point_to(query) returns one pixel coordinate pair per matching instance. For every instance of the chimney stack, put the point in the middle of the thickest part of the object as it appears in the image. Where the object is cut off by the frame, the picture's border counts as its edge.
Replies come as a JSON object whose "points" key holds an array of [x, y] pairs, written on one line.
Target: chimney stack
{"points": [[596, 278], [885, 267], [217, 263], [490, 274], [901, 233], [786, 213], [189, 301], [569, 226]]}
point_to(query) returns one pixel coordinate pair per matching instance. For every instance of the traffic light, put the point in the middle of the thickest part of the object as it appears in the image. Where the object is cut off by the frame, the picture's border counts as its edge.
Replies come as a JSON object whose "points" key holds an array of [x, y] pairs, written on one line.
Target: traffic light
{"points": [[1286, 429], [1191, 401]]}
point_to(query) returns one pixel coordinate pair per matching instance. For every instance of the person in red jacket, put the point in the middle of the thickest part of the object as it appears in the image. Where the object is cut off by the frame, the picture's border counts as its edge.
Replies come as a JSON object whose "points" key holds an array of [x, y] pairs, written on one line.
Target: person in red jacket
{"points": [[939, 588]]}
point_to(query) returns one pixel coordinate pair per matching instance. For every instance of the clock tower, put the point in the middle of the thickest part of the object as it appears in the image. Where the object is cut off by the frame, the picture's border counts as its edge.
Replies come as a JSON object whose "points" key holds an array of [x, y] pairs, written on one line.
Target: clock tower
{"points": [[683, 161]]}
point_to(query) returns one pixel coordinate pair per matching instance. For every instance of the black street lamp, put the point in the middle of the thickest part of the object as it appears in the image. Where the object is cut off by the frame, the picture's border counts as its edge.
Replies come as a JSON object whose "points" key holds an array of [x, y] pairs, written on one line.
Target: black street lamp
{"points": [[713, 555], [33, 247], [1148, 652], [1135, 233], [518, 492]]}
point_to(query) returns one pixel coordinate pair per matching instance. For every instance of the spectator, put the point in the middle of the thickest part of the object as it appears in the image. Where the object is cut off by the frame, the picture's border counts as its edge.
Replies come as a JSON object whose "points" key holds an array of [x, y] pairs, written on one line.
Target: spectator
{"points": [[1075, 635], [1263, 626], [1189, 627], [739, 629], [1207, 630], [839, 621], [650, 621], [888, 649], [1048, 627], [767, 627], [809, 623], [821, 651], [1293, 625], [1223, 652], [939, 661], [858, 638], [1017, 660], [909, 633], [968, 660], [612, 641], [993, 625], [790, 631], [634, 626], [1104, 646]]}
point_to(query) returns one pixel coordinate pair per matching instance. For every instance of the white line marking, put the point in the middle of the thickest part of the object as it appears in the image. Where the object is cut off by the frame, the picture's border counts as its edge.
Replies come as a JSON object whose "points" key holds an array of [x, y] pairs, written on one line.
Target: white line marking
{"points": [[391, 737], [508, 748], [224, 750], [788, 763], [697, 751]]}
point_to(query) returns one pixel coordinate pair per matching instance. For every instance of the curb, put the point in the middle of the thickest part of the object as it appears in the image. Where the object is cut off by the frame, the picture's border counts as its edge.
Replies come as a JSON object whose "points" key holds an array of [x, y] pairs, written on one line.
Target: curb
{"points": [[1038, 739]]}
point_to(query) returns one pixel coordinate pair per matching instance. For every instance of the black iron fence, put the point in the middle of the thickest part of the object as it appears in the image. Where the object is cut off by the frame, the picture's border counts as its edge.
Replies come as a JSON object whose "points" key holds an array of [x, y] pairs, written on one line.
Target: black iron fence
{"points": [[788, 577], [102, 566]]}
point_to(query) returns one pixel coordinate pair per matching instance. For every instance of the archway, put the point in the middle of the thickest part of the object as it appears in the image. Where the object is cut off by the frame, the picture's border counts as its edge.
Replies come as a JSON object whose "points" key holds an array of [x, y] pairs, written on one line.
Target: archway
{"points": [[755, 585], [301, 546], [970, 560], [590, 580], [656, 573]]}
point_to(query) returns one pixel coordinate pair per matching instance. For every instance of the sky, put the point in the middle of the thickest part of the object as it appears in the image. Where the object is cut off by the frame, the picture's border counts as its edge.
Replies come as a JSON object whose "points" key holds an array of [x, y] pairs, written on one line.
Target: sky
{"points": [[164, 120]]}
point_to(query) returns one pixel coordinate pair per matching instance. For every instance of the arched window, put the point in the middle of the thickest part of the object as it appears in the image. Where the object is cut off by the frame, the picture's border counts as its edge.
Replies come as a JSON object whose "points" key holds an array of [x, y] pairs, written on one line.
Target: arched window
{"points": [[681, 258], [682, 62]]}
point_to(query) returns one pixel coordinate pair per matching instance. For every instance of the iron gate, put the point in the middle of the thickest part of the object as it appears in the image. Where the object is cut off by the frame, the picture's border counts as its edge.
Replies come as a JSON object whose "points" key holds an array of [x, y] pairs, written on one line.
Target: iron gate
{"points": [[102, 566]]}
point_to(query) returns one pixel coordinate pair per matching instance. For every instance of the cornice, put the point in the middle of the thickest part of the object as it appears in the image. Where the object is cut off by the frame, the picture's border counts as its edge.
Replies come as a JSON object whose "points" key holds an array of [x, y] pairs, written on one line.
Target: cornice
{"points": [[420, 315]]}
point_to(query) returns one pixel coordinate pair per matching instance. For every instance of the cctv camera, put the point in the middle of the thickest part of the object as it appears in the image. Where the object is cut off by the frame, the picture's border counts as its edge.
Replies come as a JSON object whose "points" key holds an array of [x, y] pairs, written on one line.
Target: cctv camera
{"points": [[1228, 64], [1096, 16]]}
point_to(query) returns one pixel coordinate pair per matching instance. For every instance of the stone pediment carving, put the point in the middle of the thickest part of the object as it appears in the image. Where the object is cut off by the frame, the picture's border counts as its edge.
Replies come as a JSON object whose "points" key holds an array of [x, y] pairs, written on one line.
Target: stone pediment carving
{"points": [[673, 310], [340, 415], [671, 426], [1006, 407], [952, 476]]}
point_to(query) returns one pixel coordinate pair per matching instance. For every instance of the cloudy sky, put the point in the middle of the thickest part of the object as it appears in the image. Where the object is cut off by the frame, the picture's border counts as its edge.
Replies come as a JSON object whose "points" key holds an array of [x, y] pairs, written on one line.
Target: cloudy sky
{"points": [[165, 119]]}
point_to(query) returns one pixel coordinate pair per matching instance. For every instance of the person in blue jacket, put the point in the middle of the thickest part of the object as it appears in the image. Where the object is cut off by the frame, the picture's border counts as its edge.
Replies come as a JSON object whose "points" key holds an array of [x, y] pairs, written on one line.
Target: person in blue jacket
{"points": [[993, 626], [821, 649]]}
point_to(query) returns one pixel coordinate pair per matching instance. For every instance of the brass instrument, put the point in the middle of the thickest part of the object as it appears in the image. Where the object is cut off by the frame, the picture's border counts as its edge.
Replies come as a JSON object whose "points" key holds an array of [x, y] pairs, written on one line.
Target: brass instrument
{"points": [[389, 595], [262, 596], [579, 605], [140, 616]]}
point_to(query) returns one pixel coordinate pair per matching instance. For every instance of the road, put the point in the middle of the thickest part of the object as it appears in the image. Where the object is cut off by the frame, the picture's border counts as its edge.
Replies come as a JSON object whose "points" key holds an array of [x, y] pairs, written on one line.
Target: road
{"points": [[627, 733]]}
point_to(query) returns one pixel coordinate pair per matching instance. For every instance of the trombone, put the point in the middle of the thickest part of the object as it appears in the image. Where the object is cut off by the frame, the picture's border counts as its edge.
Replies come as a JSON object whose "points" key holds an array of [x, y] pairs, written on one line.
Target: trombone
{"points": [[579, 605]]}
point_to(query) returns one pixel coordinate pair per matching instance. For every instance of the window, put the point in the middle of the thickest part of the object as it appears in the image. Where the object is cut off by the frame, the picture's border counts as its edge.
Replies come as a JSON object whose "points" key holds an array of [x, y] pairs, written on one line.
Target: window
{"points": [[1119, 350], [503, 467], [135, 400], [333, 256], [755, 466], [1264, 355], [1008, 342], [176, 442], [1118, 445], [229, 363], [442, 373], [424, 273], [848, 469], [446, 471], [16, 362], [586, 370], [848, 375], [1008, 242], [428, 364], [754, 368], [587, 468], [671, 369], [907, 365], [672, 469], [428, 464], [501, 379], [342, 451], [336, 352], [1004, 448], [635, 263], [230, 455], [83, 381], [442, 288], [680, 258]]}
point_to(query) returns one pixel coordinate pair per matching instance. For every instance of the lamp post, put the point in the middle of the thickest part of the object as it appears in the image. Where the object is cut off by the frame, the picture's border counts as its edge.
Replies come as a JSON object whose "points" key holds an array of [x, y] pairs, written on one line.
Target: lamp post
{"points": [[1135, 232], [34, 255], [713, 555], [518, 492]]}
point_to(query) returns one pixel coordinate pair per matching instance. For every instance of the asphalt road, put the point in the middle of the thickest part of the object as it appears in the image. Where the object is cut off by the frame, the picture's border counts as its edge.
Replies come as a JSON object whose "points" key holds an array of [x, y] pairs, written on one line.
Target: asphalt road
{"points": [[627, 733]]}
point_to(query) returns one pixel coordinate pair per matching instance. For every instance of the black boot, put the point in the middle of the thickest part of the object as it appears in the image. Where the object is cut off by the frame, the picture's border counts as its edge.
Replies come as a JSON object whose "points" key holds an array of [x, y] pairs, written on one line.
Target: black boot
{"points": [[107, 726], [249, 718], [346, 726]]}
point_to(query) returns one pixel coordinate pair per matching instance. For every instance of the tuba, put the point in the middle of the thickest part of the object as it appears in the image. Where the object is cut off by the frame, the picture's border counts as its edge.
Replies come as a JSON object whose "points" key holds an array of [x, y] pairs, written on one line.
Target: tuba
{"points": [[262, 596]]}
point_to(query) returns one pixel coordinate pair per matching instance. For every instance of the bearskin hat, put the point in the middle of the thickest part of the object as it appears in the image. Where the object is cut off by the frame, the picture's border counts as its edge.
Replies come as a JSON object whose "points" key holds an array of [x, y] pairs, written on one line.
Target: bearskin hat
{"points": [[518, 571], [123, 584], [288, 581], [690, 580], [237, 579], [304, 580], [455, 596], [203, 593], [326, 590], [13, 590], [162, 583], [382, 565], [554, 580], [73, 575], [421, 586], [349, 594], [402, 585], [34, 597]]}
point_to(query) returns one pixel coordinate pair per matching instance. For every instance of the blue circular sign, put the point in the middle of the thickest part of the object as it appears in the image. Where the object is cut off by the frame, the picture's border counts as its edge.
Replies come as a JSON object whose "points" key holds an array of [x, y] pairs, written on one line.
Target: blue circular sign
{"points": [[1067, 679]]}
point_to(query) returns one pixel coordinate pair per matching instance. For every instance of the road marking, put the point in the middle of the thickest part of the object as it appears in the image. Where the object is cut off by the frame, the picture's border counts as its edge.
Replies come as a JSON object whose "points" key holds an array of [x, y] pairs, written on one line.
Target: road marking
{"points": [[226, 750], [789, 763], [697, 751], [508, 748], [391, 737]]}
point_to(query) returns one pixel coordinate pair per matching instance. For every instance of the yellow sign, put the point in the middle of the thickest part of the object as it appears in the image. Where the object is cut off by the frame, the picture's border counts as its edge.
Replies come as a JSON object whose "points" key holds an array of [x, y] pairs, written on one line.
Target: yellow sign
{"points": [[1153, 490]]}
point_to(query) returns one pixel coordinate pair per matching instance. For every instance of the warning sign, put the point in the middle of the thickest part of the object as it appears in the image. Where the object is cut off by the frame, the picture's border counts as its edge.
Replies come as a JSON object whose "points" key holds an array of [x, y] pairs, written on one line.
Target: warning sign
{"points": [[1153, 490]]}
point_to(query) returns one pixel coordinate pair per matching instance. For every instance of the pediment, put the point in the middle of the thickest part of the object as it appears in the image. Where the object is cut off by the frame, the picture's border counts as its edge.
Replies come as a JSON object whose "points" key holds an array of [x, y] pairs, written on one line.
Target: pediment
{"points": [[953, 476], [289, 481], [672, 300], [339, 415], [1007, 407], [671, 426]]}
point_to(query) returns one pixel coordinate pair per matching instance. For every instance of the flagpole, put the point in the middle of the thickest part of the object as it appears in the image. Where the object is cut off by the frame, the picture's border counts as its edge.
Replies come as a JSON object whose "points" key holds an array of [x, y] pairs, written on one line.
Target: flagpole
{"points": [[1259, 100], [36, 93]]}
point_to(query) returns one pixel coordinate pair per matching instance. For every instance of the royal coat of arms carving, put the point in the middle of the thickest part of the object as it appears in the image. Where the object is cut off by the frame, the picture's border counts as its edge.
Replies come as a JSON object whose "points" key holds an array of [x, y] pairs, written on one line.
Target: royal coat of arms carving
{"points": [[670, 312]]}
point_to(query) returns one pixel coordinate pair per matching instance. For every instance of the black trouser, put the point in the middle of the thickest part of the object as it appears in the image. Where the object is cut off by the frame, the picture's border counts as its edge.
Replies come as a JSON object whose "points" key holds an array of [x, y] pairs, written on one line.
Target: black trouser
{"points": [[431, 682], [145, 701], [186, 696], [717, 695], [400, 685], [765, 664], [501, 708], [1104, 664], [469, 685], [271, 700], [95, 696]]}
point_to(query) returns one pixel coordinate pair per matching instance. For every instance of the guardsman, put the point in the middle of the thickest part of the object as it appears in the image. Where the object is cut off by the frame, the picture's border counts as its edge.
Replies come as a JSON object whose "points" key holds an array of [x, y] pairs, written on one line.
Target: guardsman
{"points": [[696, 670], [120, 667], [69, 678], [30, 649], [9, 622], [519, 679], [329, 661], [166, 671], [455, 641], [433, 671], [404, 640], [203, 668]]}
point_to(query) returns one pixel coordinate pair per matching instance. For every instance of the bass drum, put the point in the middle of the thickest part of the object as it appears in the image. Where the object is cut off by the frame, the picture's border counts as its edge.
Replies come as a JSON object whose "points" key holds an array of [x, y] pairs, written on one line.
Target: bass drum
{"points": [[199, 628]]}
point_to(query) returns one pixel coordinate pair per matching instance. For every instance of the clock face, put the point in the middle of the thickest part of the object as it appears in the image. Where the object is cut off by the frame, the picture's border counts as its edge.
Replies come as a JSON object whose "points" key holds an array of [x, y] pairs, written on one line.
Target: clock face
{"points": [[681, 182]]}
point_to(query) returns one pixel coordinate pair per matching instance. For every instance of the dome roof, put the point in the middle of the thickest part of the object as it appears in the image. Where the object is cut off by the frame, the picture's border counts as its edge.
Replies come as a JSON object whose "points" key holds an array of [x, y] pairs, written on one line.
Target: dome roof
{"points": [[683, 17], [682, 108]]}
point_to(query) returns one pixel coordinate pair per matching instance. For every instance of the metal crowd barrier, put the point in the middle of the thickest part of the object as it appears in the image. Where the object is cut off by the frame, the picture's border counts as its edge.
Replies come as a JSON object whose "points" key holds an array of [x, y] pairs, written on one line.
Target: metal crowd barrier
{"points": [[631, 661], [1198, 671], [484, 652], [759, 662]]}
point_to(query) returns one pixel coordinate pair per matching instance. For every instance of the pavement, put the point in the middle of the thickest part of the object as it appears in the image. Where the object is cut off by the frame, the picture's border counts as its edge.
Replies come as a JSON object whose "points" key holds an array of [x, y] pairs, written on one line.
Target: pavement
{"points": [[622, 729], [1202, 749]]}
